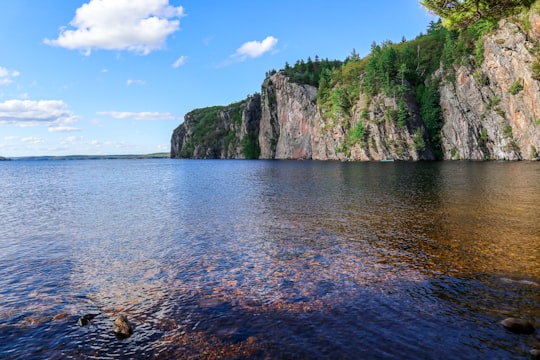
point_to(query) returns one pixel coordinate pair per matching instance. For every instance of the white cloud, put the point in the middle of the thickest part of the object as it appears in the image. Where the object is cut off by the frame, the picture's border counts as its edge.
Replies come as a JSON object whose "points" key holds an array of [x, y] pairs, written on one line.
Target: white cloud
{"points": [[71, 140], [6, 75], [140, 26], [32, 140], [130, 82], [254, 49], [138, 115], [27, 113], [56, 129], [181, 61]]}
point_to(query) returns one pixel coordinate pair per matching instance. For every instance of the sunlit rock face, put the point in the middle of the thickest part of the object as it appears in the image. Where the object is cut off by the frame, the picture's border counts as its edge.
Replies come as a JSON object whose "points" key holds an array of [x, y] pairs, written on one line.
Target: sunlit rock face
{"points": [[292, 126], [492, 112], [288, 111]]}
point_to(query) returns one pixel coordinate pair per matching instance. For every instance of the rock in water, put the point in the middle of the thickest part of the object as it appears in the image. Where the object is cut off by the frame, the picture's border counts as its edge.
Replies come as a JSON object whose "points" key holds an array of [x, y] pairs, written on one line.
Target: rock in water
{"points": [[85, 319], [518, 326], [122, 327]]}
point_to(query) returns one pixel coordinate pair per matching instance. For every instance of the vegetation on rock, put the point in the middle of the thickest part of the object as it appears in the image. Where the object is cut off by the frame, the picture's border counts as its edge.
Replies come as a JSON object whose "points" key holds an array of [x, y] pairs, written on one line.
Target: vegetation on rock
{"points": [[398, 83]]}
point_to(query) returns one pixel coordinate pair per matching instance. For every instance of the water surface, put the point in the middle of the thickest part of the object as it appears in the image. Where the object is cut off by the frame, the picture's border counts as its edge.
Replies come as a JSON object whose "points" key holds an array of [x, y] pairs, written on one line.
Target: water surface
{"points": [[263, 259]]}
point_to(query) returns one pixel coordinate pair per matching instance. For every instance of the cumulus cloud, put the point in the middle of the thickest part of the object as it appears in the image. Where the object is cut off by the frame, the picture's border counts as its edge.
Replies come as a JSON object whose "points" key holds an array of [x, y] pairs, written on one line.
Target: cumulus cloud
{"points": [[138, 115], [6, 75], [141, 26], [254, 49], [31, 113], [181, 61]]}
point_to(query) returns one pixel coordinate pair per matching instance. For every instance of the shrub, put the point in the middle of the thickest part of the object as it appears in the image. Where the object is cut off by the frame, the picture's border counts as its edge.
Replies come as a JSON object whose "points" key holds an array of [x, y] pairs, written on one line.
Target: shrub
{"points": [[419, 143], [507, 131], [536, 70], [516, 87]]}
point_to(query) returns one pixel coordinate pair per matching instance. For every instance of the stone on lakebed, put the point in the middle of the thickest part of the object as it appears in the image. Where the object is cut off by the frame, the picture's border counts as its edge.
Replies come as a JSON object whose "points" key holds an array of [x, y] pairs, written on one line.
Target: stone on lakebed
{"points": [[518, 326], [122, 327]]}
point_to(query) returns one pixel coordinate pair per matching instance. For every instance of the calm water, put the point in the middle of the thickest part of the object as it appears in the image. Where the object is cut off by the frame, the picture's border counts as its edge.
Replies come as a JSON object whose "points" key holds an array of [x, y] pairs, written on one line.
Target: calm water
{"points": [[261, 259]]}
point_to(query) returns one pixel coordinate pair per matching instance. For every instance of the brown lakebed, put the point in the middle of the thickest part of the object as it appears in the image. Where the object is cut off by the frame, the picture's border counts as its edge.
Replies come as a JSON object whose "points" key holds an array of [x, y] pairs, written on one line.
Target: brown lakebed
{"points": [[262, 259]]}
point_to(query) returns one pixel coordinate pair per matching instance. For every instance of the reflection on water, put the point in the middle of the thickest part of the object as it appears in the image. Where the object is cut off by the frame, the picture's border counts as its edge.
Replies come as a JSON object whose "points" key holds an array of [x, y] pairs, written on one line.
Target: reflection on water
{"points": [[256, 259]]}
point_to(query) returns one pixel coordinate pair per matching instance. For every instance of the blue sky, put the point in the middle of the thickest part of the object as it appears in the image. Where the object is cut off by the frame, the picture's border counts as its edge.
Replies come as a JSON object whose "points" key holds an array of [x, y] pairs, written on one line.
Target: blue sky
{"points": [[117, 76]]}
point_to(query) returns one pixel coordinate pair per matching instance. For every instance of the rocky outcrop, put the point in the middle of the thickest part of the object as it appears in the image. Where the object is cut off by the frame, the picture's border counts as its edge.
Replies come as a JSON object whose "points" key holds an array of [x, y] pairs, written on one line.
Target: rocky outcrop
{"points": [[489, 111], [492, 112], [293, 127], [288, 114], [220, 132]]}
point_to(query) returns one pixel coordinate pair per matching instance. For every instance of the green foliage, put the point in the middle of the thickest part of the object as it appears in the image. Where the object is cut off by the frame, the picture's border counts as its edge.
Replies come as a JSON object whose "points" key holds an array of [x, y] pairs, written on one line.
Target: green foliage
{"points": [[355, 135], [430, 110], [309, 72], [463, 13], [419, 143], [507, 131], [516, 87], [402, 114], [493, 102], [206, 132], [250, 146], [465, 46], [484, 135], [536, 70], [339, 88], [359, 132]]}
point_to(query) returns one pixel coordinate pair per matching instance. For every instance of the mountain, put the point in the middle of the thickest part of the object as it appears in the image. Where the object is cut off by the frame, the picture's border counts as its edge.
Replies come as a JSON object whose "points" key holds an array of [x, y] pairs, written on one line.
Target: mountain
{"points": [[469, 93]]}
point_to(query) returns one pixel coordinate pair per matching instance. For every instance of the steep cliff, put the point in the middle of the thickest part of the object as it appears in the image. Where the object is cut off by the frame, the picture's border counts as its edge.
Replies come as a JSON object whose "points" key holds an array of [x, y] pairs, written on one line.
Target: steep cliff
{"points": [[293, 127], [288, 111], [444, 95], [493, 112], [219, 132]]}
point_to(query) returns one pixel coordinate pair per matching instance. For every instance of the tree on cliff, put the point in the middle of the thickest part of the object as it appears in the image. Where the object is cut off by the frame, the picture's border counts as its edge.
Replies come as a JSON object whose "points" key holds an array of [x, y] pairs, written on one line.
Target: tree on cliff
{"points": [[462, 13]]}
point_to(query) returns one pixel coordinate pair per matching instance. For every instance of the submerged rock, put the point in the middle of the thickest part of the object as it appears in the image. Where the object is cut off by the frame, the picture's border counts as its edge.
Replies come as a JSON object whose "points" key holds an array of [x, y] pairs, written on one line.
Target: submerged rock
{"points": [[85, 319], [122, 327], [518, 326], [60, 316]]}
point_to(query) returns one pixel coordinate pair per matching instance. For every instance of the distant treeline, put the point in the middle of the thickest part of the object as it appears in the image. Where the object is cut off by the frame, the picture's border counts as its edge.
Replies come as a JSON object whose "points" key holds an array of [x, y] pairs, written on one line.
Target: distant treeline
{"points": [[94, 157]]}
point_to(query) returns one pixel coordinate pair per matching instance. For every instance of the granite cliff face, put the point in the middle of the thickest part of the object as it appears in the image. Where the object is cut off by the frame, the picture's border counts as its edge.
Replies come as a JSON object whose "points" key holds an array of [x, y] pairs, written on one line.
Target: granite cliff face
{"points": [[492, 112], [288, 114], [293, 127], [489, 111]]}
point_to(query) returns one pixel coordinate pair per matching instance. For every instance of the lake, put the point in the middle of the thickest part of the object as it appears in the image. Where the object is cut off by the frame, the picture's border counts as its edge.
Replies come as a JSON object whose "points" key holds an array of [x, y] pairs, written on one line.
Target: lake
{"points": [[268, 259]]}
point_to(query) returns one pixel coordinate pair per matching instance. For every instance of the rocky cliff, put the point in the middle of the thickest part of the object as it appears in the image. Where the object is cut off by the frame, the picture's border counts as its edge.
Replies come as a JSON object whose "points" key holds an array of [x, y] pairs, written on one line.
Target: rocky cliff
{"points": [[486, 110], [493, 112], [219, 132], [293, 127]]}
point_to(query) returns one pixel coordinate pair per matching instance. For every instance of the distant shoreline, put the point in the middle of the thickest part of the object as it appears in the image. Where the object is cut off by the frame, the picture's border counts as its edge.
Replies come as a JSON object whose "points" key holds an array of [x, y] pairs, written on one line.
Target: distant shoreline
{"points": [[91, 157]]}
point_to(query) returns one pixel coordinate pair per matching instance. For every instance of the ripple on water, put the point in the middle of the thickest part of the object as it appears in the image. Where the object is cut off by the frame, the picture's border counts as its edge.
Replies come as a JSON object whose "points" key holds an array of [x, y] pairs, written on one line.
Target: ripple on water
{"points": [[281, 260]]}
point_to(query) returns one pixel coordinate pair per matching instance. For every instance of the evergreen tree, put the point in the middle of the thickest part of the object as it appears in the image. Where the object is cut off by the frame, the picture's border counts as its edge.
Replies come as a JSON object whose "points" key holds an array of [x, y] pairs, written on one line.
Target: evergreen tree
{"points": [[462, 13]]}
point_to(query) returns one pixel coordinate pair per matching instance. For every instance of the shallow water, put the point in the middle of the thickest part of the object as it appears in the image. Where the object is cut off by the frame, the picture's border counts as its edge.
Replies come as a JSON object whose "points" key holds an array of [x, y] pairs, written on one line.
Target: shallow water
{"points": [[262, 259]]}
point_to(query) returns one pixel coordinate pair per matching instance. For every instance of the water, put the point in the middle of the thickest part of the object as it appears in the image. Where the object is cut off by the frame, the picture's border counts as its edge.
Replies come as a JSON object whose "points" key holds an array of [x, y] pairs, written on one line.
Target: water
{"points": [[261, 259]]}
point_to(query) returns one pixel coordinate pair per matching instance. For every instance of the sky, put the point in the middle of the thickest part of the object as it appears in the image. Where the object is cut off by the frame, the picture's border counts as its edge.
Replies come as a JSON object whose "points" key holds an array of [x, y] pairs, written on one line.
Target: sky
{"points": [[103, 77]]}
